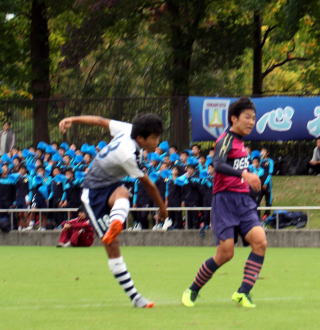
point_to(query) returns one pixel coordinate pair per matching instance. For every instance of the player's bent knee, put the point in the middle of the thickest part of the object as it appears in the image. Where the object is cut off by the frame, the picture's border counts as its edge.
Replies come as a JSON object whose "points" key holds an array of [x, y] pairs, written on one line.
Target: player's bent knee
{"points": [[260, 246], [223, 257]]}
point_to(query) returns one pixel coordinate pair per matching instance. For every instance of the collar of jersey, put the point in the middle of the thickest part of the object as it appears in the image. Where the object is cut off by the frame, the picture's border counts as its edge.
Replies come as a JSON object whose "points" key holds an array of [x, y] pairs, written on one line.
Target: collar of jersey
{"points": [[238, 136]]}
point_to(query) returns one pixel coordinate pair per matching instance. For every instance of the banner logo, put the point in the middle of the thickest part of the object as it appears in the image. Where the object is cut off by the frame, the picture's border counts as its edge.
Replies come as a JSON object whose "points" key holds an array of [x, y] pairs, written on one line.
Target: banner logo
{"points": [[215, 116]]}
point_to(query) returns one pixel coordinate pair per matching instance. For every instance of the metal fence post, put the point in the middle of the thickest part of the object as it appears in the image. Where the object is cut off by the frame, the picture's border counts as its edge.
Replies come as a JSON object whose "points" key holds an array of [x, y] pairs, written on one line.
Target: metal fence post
{"points": [[40, 219], [11, 220], [277, 220], [186, 226]]}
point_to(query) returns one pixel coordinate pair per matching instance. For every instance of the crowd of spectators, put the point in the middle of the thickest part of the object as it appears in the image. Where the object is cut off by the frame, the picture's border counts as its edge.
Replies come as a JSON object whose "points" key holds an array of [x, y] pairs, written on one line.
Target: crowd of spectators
{"points": [[51, 176]]}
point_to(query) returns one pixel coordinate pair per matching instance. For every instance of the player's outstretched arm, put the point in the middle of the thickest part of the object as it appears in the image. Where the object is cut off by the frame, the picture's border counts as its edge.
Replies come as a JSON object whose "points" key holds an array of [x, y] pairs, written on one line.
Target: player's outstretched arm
{"points": [[153, 192], [67, 122]]}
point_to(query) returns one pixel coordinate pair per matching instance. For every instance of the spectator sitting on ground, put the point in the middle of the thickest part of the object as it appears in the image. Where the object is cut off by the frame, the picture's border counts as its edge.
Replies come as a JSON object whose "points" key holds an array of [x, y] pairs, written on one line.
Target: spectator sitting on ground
{"points": [[314, 163], [76, 232]]}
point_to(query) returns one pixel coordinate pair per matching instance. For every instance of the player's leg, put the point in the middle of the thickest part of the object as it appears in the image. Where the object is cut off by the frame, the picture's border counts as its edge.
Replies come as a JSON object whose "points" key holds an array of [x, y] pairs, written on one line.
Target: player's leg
{"points": [[256, 237], [224, 253], [119, 269], [75, 236], [119, 208], [96, 208], [64, 237]]}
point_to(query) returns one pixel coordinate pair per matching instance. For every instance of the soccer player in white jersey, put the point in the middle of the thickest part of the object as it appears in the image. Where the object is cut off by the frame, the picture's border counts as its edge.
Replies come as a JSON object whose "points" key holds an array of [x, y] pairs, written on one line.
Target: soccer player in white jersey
{"points": [[105, 197]]}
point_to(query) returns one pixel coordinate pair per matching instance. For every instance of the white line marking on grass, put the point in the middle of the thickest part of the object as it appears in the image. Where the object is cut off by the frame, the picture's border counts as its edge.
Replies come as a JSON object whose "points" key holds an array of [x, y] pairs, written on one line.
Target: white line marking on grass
{"points": [[161, 302]]}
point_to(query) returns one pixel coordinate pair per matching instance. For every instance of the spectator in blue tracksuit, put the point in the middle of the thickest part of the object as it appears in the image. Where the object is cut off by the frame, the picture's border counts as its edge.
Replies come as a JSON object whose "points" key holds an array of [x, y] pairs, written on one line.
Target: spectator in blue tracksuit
{"points": [[206, 189], [209, 158], [141, 199], [55, 196], [201, 165], [40, 193], [66, 162], [161, 179], [266, 190], [183, 162], [196, 150], [23, 196], [78, 163], [174, 198], [256, 168], [71, 197], [191, 195]]}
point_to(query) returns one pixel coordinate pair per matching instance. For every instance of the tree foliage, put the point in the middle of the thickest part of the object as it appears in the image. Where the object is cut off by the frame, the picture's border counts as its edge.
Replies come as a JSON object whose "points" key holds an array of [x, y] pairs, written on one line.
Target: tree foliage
{"points": [[146, 48]]}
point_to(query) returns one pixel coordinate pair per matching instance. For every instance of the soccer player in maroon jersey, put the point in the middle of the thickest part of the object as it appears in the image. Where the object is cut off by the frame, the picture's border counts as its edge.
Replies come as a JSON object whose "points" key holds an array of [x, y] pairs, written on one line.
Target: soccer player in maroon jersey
{"points": [[233, 210]]}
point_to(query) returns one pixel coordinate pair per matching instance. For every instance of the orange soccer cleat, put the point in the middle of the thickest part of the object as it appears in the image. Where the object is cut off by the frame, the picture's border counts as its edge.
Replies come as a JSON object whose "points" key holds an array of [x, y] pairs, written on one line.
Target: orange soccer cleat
{"points": [[113, 231], [149, 304]]}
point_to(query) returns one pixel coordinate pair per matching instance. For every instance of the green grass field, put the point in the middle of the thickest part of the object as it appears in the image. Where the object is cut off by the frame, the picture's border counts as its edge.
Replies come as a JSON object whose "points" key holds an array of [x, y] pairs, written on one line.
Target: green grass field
{"points": [[298, 191], [49, 288]]}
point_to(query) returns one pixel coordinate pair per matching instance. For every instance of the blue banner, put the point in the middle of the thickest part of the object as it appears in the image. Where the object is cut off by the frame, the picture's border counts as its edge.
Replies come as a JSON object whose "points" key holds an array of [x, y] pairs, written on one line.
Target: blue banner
{"points": [[278, 118]]}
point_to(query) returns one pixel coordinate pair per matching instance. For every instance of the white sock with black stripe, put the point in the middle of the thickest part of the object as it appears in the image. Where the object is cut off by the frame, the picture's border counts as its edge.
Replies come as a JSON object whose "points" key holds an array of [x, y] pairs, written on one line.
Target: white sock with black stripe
{"points": [[120, 210], [119, 270]]}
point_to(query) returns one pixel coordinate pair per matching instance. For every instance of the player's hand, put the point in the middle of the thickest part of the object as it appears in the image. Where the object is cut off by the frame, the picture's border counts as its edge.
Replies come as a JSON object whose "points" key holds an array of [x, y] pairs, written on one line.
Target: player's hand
{"points": [[252, 179], [67, 226], [65, 124], [163, 213]]}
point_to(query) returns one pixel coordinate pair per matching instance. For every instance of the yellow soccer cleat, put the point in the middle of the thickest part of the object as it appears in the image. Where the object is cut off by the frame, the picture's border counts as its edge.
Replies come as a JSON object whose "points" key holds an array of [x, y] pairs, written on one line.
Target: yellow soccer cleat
{"points": [[189, 297], [243, 299]]}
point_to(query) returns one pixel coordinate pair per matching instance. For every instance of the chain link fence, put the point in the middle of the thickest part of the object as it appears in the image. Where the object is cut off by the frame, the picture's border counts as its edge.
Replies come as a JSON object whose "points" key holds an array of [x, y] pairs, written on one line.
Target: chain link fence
{"points": [[20, 114]]}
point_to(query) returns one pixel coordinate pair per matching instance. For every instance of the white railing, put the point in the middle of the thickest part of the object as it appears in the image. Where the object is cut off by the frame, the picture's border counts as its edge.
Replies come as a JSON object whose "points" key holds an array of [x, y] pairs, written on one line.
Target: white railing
{"points": [[154, 209]]}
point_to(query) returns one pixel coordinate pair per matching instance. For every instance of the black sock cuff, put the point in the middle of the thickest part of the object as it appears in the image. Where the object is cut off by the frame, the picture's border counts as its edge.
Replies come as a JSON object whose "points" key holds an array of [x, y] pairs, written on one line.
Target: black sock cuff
{"points": [[256, 258], [211, 264]]}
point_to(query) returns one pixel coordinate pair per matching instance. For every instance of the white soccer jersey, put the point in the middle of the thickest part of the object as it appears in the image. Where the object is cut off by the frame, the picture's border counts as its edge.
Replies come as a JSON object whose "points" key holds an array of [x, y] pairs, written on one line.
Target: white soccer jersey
{"points": [[118, 159]]}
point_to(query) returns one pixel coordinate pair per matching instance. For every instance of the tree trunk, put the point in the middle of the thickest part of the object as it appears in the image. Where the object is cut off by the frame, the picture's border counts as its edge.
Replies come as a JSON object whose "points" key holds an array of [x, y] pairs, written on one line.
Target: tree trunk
{"points": [[40, 66], [257, 56], [181, 60], [179, 128]]}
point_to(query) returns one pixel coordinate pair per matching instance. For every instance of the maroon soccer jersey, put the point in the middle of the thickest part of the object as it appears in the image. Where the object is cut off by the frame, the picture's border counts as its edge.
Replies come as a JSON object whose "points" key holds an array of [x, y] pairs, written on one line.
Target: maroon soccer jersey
{"points": [[230, 159]]}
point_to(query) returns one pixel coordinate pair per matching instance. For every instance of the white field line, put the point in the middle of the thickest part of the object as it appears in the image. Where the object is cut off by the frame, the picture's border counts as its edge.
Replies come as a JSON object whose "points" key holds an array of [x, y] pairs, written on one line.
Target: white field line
{"points": [[46, 306]]}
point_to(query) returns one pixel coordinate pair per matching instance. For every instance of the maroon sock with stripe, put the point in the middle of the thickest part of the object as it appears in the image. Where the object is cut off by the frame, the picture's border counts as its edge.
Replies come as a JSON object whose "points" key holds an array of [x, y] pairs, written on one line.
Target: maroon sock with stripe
{"points": [[204, 274], [251, 272]]}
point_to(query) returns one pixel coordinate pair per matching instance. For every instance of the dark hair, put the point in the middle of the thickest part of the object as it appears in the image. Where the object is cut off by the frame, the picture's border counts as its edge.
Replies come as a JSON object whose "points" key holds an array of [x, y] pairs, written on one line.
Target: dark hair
{"points": [[22, 166], [81, 209], [196, 145], [191, 166], [146, 124], [237, 107]]}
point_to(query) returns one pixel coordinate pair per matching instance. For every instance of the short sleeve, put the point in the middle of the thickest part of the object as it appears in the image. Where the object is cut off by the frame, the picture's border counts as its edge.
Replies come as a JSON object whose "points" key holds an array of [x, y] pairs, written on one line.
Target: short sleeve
{"points": [[117, 127], [131, 167]]}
